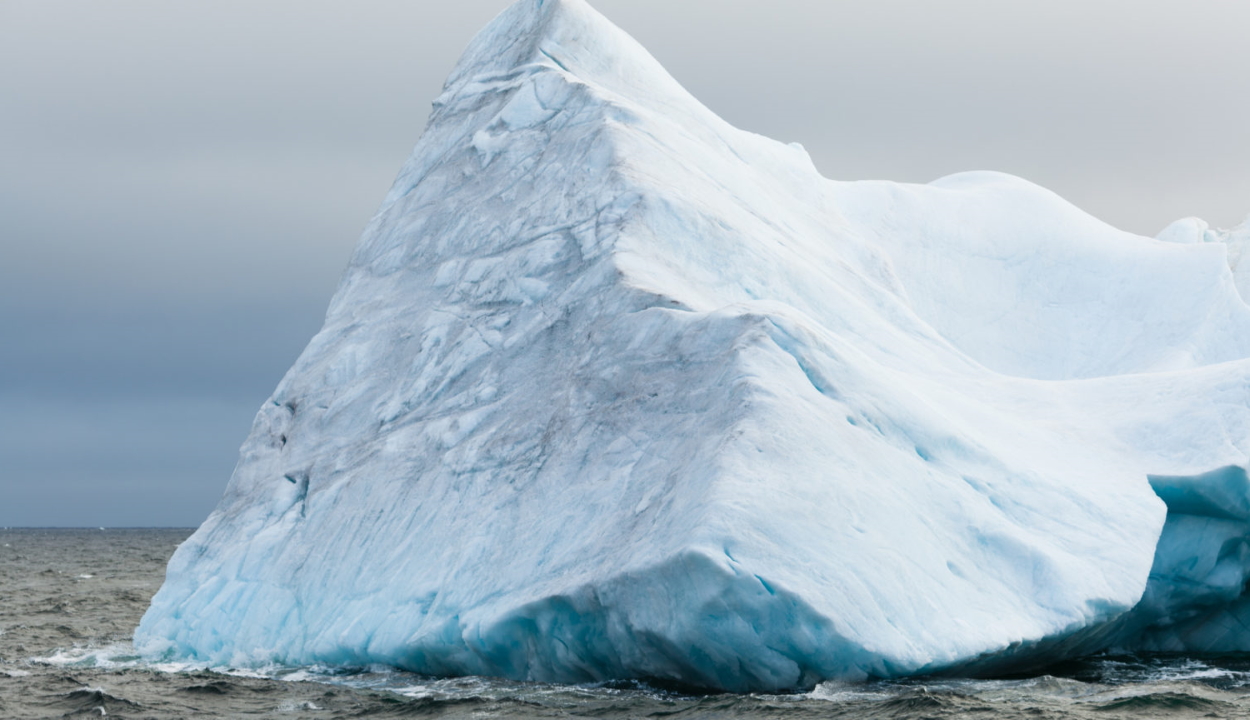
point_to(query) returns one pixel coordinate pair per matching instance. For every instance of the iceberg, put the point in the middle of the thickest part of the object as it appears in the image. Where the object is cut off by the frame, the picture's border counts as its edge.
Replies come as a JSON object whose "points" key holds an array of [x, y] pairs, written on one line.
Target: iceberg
{"points": [[611, 389]]}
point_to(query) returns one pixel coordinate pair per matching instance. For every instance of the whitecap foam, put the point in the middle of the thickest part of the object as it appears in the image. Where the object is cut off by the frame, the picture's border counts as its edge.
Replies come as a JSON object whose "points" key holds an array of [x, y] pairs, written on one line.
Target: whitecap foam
{"points": [[288, 707], [837, 691], [116, 656]]}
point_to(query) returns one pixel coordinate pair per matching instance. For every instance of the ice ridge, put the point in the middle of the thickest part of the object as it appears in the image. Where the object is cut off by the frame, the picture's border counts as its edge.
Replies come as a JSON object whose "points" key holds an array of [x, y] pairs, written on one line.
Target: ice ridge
{"points": [[612, 389]]}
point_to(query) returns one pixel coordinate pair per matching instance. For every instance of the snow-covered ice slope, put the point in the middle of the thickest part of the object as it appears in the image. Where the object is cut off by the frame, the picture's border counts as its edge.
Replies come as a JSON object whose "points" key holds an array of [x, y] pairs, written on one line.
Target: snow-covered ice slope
{"points": [[613, 389]]}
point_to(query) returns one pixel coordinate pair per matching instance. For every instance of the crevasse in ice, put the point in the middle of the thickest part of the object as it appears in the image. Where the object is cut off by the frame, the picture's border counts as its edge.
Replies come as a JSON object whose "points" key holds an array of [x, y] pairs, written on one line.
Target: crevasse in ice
{"points": [[613, 389]]}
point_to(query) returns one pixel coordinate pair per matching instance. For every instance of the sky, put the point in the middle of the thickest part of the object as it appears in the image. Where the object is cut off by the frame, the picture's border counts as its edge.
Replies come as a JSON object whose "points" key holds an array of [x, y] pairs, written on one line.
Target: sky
{"points": [[181, 183]]}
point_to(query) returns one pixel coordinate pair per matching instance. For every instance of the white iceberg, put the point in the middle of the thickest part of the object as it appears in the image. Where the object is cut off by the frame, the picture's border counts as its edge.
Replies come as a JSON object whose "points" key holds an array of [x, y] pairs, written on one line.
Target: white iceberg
{"points": [[613, 389]]}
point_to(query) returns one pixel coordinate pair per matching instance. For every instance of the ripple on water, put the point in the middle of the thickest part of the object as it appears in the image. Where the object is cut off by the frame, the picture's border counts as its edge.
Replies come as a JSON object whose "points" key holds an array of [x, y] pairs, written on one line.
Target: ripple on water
{"points": [[1108, 687], [1168, 704]]}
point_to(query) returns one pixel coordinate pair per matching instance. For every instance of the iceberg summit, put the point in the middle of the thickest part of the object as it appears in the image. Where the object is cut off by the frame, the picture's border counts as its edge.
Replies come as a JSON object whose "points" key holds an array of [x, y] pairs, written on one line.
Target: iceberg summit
{"points": [[612, 389]]}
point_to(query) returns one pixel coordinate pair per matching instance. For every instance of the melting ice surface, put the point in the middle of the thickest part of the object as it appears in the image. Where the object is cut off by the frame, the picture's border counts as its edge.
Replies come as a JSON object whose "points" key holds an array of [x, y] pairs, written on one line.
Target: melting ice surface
{"points": [[612, 389]]}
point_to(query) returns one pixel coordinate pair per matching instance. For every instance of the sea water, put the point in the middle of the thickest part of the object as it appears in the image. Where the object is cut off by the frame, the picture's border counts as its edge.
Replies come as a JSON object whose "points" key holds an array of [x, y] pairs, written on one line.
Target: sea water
{"points": [[69, 600]]}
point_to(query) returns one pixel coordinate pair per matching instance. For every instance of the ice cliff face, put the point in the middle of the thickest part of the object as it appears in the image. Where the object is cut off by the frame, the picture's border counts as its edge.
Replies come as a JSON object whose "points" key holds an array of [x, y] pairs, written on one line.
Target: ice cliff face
{"points": [[613, 389]]}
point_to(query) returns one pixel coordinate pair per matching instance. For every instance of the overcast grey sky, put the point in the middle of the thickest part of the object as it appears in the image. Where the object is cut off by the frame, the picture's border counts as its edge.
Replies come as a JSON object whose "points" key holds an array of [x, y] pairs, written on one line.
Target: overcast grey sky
{"points": [[182, 182]]}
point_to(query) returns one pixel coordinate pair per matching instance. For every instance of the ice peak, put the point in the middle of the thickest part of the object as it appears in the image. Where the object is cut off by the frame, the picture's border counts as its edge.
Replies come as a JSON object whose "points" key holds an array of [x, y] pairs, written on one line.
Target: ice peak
{"points": [[568, 35], [521, 72]]}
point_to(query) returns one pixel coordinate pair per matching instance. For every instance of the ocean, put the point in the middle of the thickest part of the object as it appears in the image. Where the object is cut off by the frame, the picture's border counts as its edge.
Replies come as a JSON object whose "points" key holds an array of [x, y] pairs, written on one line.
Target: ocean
{"points": [[69, 600]]}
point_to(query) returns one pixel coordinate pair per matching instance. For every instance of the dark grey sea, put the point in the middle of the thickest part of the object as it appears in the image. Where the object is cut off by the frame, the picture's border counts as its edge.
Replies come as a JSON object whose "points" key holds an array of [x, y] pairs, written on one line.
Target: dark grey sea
{"points": [[69, 600]]}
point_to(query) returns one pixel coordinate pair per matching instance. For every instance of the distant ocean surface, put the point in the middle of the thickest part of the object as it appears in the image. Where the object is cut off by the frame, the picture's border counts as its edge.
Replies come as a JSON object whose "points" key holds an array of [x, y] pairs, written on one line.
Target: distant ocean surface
{"points": [[69, 600]]}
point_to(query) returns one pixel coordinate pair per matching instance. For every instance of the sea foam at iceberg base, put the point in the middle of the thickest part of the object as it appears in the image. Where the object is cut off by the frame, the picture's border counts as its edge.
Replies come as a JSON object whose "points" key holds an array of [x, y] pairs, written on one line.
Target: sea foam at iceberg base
{"points": [[612, 389]]}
